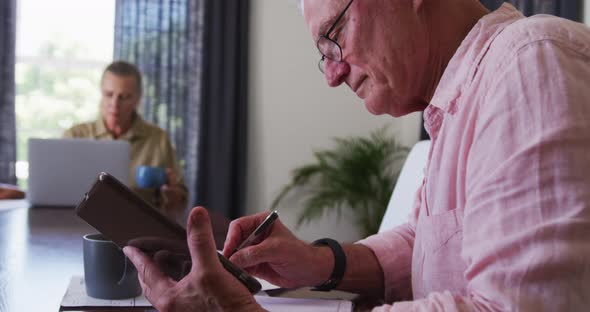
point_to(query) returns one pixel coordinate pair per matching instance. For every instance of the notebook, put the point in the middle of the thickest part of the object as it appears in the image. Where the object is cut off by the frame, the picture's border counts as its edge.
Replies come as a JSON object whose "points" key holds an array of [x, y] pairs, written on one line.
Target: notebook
{"points": [[76, 298], [62, 170]]}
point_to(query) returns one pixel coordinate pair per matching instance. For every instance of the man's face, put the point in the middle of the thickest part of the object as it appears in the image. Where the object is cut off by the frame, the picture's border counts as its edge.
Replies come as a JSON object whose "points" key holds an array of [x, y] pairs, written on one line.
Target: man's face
{"points": [[119, 100], [384, 51]]}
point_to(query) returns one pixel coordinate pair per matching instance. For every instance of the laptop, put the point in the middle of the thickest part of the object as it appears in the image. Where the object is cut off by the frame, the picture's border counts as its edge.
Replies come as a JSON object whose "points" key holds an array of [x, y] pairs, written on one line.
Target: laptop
{"points": [[61, 171]]}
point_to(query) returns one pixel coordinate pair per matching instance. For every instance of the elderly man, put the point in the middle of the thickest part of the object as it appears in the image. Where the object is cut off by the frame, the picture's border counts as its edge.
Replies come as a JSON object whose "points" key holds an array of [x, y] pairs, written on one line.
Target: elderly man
{"points": [[150, 146], [502, 218]]}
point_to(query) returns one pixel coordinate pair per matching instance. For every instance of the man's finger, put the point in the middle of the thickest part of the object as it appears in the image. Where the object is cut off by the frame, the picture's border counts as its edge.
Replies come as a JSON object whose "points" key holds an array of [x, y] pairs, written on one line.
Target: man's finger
{"points": [[153, 281], [240, 229], [233, 238], [172, 179], [171, 263], [172, 193], [200, 240], [253, 255], [165, 191]]}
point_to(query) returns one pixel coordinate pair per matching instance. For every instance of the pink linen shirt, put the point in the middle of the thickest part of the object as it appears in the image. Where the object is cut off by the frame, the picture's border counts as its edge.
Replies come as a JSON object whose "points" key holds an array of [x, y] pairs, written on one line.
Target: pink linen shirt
{"points": [[502, 219]]}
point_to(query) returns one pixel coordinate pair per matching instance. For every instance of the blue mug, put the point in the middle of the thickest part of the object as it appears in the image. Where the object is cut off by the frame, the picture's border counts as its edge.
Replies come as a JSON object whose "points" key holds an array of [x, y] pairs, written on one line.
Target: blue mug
{"points": [[150, 177]]}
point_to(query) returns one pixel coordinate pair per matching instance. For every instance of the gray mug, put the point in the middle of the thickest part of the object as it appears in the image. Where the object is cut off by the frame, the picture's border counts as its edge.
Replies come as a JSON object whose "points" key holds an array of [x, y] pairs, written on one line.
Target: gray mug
{"points": [[107, 271]]}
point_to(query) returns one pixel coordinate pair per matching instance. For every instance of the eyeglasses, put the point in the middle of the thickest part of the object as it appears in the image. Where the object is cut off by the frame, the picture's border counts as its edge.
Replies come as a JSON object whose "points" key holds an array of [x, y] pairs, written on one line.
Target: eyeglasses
{"points": [[329, 48]]}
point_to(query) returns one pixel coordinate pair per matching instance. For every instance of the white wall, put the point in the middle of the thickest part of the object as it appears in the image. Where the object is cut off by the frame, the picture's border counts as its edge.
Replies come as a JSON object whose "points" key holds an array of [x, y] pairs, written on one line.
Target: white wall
{"points": [[293, 111], [587, 12]]}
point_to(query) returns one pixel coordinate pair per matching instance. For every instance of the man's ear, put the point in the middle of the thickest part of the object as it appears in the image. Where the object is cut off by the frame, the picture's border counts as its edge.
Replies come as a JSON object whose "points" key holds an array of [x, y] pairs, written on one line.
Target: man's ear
{"points": [[136, 106]]}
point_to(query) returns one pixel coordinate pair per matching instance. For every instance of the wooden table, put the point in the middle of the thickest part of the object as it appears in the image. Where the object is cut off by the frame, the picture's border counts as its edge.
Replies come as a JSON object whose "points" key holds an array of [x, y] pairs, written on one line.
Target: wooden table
{"points": [[40, 249]]}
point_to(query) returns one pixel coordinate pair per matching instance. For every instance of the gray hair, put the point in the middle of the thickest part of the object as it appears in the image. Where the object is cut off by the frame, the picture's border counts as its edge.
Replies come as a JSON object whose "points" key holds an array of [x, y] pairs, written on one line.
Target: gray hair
{"points": [[122, 68]]}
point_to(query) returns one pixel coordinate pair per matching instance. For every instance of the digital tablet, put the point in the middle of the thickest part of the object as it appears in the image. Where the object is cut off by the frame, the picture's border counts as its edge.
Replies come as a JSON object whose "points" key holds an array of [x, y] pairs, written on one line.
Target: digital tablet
{"points": [[126, 219]]}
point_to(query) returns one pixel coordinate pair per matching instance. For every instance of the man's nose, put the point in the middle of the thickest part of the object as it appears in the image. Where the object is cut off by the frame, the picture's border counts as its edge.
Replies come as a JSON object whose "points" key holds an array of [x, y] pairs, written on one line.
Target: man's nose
{"points": [[114, 103], [336, 72]]}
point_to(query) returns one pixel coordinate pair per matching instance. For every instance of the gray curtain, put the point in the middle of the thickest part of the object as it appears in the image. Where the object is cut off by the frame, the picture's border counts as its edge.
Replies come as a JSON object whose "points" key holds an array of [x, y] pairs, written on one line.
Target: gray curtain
{"points": [[7, 89], [192, 54], [570, 9], [222, 159]]}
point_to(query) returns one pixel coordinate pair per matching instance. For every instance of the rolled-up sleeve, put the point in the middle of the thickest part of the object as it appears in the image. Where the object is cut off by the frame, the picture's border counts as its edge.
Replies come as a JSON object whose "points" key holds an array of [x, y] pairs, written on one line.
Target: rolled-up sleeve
{"points": [[393, 250]]}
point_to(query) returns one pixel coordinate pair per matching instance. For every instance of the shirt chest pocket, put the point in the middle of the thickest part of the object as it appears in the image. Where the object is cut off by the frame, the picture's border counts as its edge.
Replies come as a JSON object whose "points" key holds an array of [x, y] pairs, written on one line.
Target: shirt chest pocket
{"points": [[441, 237], [439, 230]]}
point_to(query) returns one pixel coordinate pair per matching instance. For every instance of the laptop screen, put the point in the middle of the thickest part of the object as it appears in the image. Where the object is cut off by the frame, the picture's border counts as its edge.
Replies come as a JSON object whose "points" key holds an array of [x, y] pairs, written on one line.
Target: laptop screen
{"points": [[62, 170]]}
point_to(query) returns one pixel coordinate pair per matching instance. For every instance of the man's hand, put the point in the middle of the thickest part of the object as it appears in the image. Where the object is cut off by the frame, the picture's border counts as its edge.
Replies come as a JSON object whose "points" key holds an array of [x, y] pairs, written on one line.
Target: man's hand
{"points": [[171, 256], [208, 286], [10, 192], [174, 197], [278, 256]]}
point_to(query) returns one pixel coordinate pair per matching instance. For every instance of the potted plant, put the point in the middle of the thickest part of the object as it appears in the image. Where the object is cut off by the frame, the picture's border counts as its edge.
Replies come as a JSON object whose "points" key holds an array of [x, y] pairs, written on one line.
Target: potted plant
{"points": [[359, 174]]}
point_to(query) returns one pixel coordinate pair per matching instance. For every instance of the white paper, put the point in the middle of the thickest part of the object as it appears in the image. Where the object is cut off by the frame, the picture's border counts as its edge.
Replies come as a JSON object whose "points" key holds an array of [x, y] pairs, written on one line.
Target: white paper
{"points": [[76, 296], [277, 304], [266, 285]]}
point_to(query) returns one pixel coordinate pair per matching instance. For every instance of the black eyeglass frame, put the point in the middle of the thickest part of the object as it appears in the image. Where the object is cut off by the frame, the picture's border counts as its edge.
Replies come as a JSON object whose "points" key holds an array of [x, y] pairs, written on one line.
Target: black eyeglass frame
{"points": [[327, 37]]}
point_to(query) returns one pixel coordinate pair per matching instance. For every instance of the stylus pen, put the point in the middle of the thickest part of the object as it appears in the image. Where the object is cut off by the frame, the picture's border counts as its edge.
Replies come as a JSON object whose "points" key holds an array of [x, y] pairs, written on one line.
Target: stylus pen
{"points": [[259, 230]]}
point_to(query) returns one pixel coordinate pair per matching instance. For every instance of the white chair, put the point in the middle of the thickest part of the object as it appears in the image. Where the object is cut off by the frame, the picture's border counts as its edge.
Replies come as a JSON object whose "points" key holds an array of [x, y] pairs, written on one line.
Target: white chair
{"points": [[411, 176]]}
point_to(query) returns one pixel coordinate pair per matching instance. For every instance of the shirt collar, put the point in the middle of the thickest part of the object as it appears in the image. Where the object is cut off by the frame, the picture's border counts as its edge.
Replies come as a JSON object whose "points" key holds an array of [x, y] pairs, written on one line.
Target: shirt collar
{"points": [[99, 127], [136, 130], [457, 76]]}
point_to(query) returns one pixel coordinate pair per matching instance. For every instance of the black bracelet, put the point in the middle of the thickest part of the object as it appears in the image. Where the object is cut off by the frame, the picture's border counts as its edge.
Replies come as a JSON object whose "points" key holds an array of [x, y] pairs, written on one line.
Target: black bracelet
{"points": [[339, 264]]}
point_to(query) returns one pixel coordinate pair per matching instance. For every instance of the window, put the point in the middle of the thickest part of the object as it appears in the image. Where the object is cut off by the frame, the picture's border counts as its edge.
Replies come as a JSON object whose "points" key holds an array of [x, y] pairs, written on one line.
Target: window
{"points": [[62, 47]]}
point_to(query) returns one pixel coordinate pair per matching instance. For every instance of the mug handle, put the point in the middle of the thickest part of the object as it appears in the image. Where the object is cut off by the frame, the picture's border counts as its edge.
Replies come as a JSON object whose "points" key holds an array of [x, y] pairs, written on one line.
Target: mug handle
{"points": [[128, 269]]}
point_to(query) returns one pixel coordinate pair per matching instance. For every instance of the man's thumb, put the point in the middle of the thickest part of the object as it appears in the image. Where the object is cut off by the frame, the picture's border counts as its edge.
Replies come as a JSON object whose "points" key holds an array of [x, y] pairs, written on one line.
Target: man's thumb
{"points": [[200, 239]]}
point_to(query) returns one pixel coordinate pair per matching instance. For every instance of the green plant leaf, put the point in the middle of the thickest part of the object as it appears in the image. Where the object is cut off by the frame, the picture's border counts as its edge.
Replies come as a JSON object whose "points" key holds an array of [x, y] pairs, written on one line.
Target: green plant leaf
{"points": [[358, 174]]}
